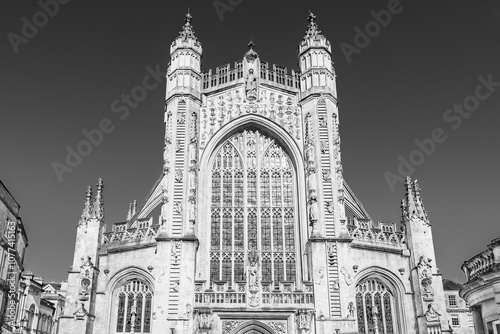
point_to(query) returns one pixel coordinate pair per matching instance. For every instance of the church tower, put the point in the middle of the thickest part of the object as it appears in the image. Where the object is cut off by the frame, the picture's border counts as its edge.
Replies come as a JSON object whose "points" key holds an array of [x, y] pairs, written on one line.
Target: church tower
{"points": [[82, 276]]}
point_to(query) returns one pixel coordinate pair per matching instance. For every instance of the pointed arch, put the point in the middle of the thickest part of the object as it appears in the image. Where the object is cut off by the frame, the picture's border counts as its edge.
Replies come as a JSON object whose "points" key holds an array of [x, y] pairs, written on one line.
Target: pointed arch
{"points": [[130, 287], [388, 293], [262, 124], [278, 135]]}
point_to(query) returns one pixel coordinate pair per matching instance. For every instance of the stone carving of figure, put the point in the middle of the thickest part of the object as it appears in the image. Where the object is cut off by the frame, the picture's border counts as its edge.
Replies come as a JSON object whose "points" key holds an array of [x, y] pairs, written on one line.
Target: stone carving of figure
{"points": [[313, 207], [252, 275], [251, 86], [310, 159], [350, 309]]}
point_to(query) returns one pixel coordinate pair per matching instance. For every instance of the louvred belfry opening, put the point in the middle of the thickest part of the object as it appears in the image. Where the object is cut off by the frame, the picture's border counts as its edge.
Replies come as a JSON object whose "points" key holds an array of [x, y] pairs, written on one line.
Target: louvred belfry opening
{"points": [[253, 211]]}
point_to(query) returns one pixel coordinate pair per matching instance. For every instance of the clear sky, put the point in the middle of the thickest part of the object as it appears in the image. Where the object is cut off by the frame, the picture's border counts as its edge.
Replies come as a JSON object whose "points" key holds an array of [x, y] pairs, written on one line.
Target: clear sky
{"points": [[395, 88]]}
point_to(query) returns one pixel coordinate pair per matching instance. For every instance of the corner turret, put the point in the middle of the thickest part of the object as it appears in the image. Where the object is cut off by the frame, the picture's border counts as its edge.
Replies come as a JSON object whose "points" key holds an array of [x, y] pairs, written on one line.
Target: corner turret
{"points": [[315, 62], [425, 278], [184, 70], [79, 313]]}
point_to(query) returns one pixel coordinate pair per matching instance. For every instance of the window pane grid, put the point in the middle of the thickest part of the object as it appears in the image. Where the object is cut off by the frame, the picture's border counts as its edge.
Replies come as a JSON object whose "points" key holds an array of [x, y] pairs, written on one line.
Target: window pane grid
{"points": [[134, 308], [372, 294], [263, 180]]}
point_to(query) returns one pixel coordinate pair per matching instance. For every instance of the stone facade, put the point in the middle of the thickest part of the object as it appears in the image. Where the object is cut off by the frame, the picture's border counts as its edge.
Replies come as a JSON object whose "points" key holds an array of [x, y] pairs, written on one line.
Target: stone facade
{"points": [[40, 304], [482, 288], [458, 310], [258, 232], [13, 241]]}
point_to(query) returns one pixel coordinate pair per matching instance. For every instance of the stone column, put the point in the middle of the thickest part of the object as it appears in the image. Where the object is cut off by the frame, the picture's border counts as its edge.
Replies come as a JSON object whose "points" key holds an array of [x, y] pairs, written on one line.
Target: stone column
{"points": [[478, 320]]}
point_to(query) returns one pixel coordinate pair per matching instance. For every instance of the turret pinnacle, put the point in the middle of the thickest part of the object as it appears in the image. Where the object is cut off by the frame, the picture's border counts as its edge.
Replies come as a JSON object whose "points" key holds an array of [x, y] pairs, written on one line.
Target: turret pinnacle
{"points": [[412, 206], [132, 208], [129, 212], [87, 208], [312, 28], [187, 30], [98, 201]]}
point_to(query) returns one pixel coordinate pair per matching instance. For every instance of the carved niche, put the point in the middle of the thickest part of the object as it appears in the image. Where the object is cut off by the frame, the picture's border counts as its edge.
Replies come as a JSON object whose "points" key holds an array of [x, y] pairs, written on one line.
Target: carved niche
{"points": [[86, 278], [424, 268]]}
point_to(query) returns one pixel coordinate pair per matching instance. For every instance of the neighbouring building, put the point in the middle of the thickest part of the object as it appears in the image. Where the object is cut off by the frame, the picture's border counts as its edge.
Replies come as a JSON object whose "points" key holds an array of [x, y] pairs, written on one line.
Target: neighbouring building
{"points": [[251, 227], [41, 305], [482, 288], [13, 241], [460, 316]]}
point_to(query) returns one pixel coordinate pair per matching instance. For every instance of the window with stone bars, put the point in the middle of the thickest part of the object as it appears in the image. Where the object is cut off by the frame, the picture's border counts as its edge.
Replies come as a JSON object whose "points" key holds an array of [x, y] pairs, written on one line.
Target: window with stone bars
{"points": [[253, 211], [452, 300], [134, 308], [375, 306], [454, 320]]}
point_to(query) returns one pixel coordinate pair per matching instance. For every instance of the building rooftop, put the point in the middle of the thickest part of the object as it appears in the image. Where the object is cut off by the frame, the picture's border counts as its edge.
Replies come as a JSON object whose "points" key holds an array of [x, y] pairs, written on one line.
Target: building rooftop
{"points": [[451, 285]]}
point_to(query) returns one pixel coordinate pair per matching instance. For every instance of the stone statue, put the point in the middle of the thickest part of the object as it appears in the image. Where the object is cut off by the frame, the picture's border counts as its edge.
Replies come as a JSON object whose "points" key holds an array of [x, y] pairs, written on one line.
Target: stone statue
{"points": [[350, 309], [252, 275], [251, 86]]}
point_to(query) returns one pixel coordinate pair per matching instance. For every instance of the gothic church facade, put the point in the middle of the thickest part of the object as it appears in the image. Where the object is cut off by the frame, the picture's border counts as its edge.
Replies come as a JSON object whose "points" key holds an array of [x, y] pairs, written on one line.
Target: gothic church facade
{"points": [[258, 232]]}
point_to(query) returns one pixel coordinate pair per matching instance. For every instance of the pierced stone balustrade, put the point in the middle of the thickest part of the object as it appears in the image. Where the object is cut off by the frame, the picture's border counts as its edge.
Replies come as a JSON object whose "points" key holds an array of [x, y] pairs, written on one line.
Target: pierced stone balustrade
{"points": [[480, 264], [284, 294], [383, 232], [133, 235]]}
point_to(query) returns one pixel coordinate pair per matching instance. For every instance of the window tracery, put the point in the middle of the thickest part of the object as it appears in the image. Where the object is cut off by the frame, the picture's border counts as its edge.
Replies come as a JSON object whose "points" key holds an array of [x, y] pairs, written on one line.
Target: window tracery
{"points": [[253, 210], [134, 307], [372, 295]]}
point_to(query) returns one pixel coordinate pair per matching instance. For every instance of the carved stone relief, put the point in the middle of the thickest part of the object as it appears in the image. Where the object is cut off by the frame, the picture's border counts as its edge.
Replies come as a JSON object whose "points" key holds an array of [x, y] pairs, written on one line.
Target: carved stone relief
{"points": [[347, 276], [231, 105]]}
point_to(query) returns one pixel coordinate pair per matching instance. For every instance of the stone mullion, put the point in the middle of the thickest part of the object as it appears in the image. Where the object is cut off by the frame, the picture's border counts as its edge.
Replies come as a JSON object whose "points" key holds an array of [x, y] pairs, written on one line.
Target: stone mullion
{"points": [[285, 276], [382, 306], [233, 227], [365, 316], [221, 215], [257, 194]]}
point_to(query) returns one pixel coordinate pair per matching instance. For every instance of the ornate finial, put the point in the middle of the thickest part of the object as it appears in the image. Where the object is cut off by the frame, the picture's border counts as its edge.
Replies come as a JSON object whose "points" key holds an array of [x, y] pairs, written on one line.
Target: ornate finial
{"points": [[187, 29], [87, 209], [98, 201], [251, 45], [134, 207], [312, 28], [311, 17]]}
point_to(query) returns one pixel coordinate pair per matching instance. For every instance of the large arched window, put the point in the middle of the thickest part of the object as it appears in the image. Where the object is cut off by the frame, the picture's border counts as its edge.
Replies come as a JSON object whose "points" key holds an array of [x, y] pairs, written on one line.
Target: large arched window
{"points": [[253, 211], [375, 306], [135, 301]]}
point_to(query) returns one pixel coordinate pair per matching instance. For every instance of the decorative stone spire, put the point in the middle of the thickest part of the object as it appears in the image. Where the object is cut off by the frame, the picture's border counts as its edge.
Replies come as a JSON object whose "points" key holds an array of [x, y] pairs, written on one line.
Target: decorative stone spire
{"points": [[187, 30], [312, 28], [412, 206], [129, 212], [134, 207], [98, 201], [87, 208]]}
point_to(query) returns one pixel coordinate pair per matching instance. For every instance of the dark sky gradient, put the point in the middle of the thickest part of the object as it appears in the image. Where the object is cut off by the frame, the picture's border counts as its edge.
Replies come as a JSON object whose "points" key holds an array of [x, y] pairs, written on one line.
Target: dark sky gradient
{"points": [[394, 91]]}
